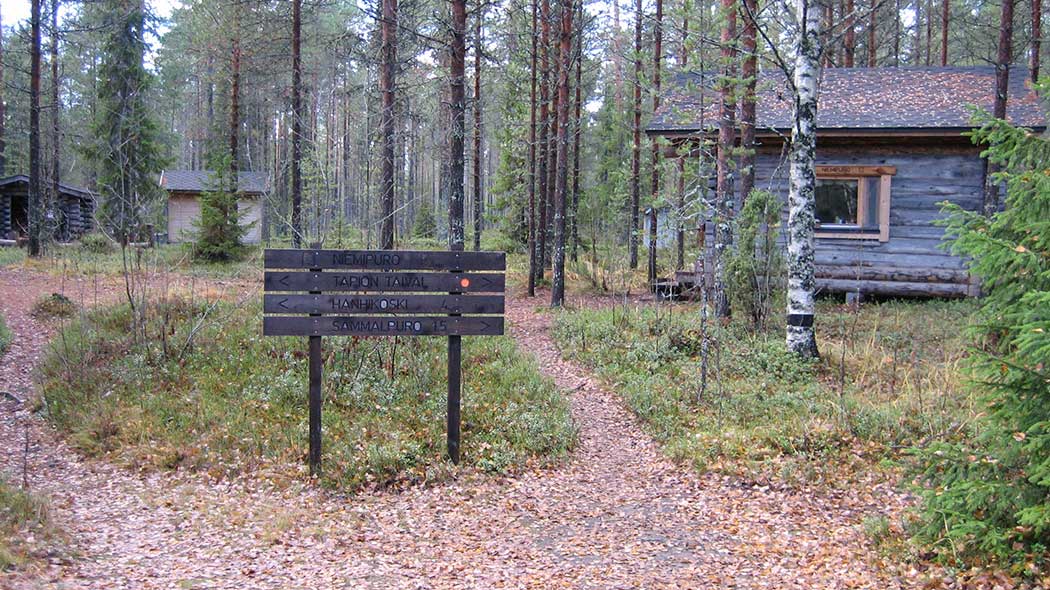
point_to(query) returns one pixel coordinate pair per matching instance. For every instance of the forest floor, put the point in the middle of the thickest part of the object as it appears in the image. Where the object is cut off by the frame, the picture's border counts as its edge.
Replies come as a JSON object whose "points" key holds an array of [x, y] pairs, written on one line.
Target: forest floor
{"points": [[615, 514]]}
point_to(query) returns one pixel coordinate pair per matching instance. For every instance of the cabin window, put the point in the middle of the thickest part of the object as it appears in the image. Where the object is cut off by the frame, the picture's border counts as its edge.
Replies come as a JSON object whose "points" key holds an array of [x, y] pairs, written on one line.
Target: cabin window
{"points": [[852, 202]]}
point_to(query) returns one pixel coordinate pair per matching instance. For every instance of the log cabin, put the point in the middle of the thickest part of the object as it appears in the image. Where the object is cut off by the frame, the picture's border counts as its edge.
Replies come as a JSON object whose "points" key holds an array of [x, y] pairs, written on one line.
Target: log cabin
{"points": [[185, 188], [71, 215], [891, 146]]}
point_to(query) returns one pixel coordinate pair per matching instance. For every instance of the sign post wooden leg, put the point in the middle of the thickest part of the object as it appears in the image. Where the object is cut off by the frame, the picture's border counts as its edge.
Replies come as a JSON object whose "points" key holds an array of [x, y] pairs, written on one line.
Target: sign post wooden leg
{"points": [[455, 367], [316, 366], [454, 382], [315, 405]]}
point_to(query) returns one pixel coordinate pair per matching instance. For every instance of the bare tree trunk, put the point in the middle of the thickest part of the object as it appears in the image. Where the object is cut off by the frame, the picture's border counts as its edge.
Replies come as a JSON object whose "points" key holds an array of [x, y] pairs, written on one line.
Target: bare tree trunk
{"points": [[654, 188], [1002, 86], [3, 92], [683, 58], [457, 110], [749, 74], [851, 36], [636, 150], [544, 139], [35, 184], [872, 30], [805, 49], [532, 155], [389, 132], [1037, 37], [235, 107], [561, 176], [897, 32], [477, 126], [944, 32], [573, 219], [929, 32], [297, 125], [56, 131], [724, 182]]}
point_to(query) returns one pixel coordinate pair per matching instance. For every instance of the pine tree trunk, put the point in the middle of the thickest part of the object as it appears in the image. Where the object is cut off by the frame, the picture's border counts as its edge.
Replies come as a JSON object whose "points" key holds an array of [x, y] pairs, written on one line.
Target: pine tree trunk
{"points": [[654, 188], [851, 36], [636, 149], [297, 125], [544, 139], [1002, 86], [532, 155], [35, 184], [805, 49], [477, 127], [457, 110], [56, 130], [872, 30], [724, 182], [749, 73], [389, 130], [929, 32], [573, 220], [1037, 41], [3, 92], [561, 176], [944, 32]]}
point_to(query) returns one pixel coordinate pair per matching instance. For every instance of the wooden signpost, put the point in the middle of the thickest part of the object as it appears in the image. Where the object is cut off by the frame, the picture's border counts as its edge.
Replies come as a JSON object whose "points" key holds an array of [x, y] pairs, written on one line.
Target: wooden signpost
{"points": [[320, 293]]}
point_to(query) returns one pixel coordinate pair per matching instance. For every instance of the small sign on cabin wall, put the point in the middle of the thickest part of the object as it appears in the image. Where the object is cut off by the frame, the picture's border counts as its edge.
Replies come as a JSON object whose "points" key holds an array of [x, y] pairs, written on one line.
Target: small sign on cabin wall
{"points": [[316, 293]]}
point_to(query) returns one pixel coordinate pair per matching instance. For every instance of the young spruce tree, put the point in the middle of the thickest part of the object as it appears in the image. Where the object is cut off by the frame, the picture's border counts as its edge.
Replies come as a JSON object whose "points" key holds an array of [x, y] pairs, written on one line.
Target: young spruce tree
{"points": [[990, 496]]}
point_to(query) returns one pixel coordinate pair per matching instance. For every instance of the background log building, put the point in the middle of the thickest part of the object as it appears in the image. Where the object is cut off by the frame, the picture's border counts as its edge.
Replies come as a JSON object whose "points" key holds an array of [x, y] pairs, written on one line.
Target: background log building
{"points": [[891, 146]]}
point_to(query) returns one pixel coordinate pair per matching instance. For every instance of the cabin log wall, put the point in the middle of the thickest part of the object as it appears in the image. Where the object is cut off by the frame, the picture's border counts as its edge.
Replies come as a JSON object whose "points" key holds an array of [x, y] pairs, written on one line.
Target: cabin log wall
{"points": [[912, 262]]}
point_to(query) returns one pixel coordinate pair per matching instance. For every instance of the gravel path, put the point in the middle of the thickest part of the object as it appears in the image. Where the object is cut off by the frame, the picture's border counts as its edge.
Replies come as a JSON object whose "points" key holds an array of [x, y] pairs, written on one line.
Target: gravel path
{"points": [[616, 514]]}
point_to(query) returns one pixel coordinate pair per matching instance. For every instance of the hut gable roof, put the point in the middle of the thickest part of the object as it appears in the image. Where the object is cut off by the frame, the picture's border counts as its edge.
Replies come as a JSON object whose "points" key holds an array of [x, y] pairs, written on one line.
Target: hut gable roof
{"points": [[915, 100], [199, 181], [20, 182]]}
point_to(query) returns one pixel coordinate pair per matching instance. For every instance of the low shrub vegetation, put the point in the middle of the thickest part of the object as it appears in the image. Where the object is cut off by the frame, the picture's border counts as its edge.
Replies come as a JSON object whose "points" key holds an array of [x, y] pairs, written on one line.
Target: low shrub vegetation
{"points": [[206, 391], [6, 336], [887, 382], [55, 305], [26, 532]]}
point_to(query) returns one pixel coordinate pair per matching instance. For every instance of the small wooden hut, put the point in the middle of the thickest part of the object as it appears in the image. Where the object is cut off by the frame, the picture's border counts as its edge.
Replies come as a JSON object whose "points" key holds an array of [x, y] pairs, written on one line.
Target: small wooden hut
{"points": [[891, 146], [185, 188], [71, 214]]}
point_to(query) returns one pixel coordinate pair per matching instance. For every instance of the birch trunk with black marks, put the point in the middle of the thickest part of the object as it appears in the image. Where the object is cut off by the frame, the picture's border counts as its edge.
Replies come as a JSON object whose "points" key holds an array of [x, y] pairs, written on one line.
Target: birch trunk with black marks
{"points": [[805, 50]]}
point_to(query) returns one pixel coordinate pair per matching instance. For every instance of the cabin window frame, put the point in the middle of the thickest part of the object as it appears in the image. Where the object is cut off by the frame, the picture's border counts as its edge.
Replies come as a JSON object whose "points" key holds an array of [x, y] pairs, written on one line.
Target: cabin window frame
{"points": [[861, 174]]}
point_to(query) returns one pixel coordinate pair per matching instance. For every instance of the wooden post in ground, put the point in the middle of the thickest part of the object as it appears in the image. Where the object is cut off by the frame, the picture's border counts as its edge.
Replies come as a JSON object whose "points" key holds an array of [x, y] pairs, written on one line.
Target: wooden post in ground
{"points": [[316, 365]]}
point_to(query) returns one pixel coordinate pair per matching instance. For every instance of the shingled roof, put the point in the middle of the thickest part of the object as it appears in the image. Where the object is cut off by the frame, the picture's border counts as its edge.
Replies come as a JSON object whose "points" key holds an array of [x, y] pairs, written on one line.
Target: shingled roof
{"points": [[198, 181], [858, 99]]}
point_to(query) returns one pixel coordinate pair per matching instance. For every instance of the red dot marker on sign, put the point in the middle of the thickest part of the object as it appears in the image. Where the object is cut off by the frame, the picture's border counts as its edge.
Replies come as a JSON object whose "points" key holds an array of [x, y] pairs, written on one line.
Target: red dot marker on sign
{"points": [[464, 283]]}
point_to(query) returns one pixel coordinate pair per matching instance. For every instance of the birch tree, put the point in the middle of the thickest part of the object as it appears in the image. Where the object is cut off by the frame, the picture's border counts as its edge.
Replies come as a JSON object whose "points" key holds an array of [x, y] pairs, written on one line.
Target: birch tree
{"points": [[804, 55]]}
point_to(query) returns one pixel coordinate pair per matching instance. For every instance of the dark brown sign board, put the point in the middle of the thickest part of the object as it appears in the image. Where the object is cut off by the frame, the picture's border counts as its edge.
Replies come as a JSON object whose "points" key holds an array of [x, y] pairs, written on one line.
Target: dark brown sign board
{"points": [[393, 304], [384, 260], [322, 292], [384, 282], [382, 326]]}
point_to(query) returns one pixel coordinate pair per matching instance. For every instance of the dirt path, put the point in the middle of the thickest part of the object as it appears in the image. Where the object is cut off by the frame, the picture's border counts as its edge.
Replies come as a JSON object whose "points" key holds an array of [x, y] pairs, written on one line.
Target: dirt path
{"points": [[615, 515]]}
